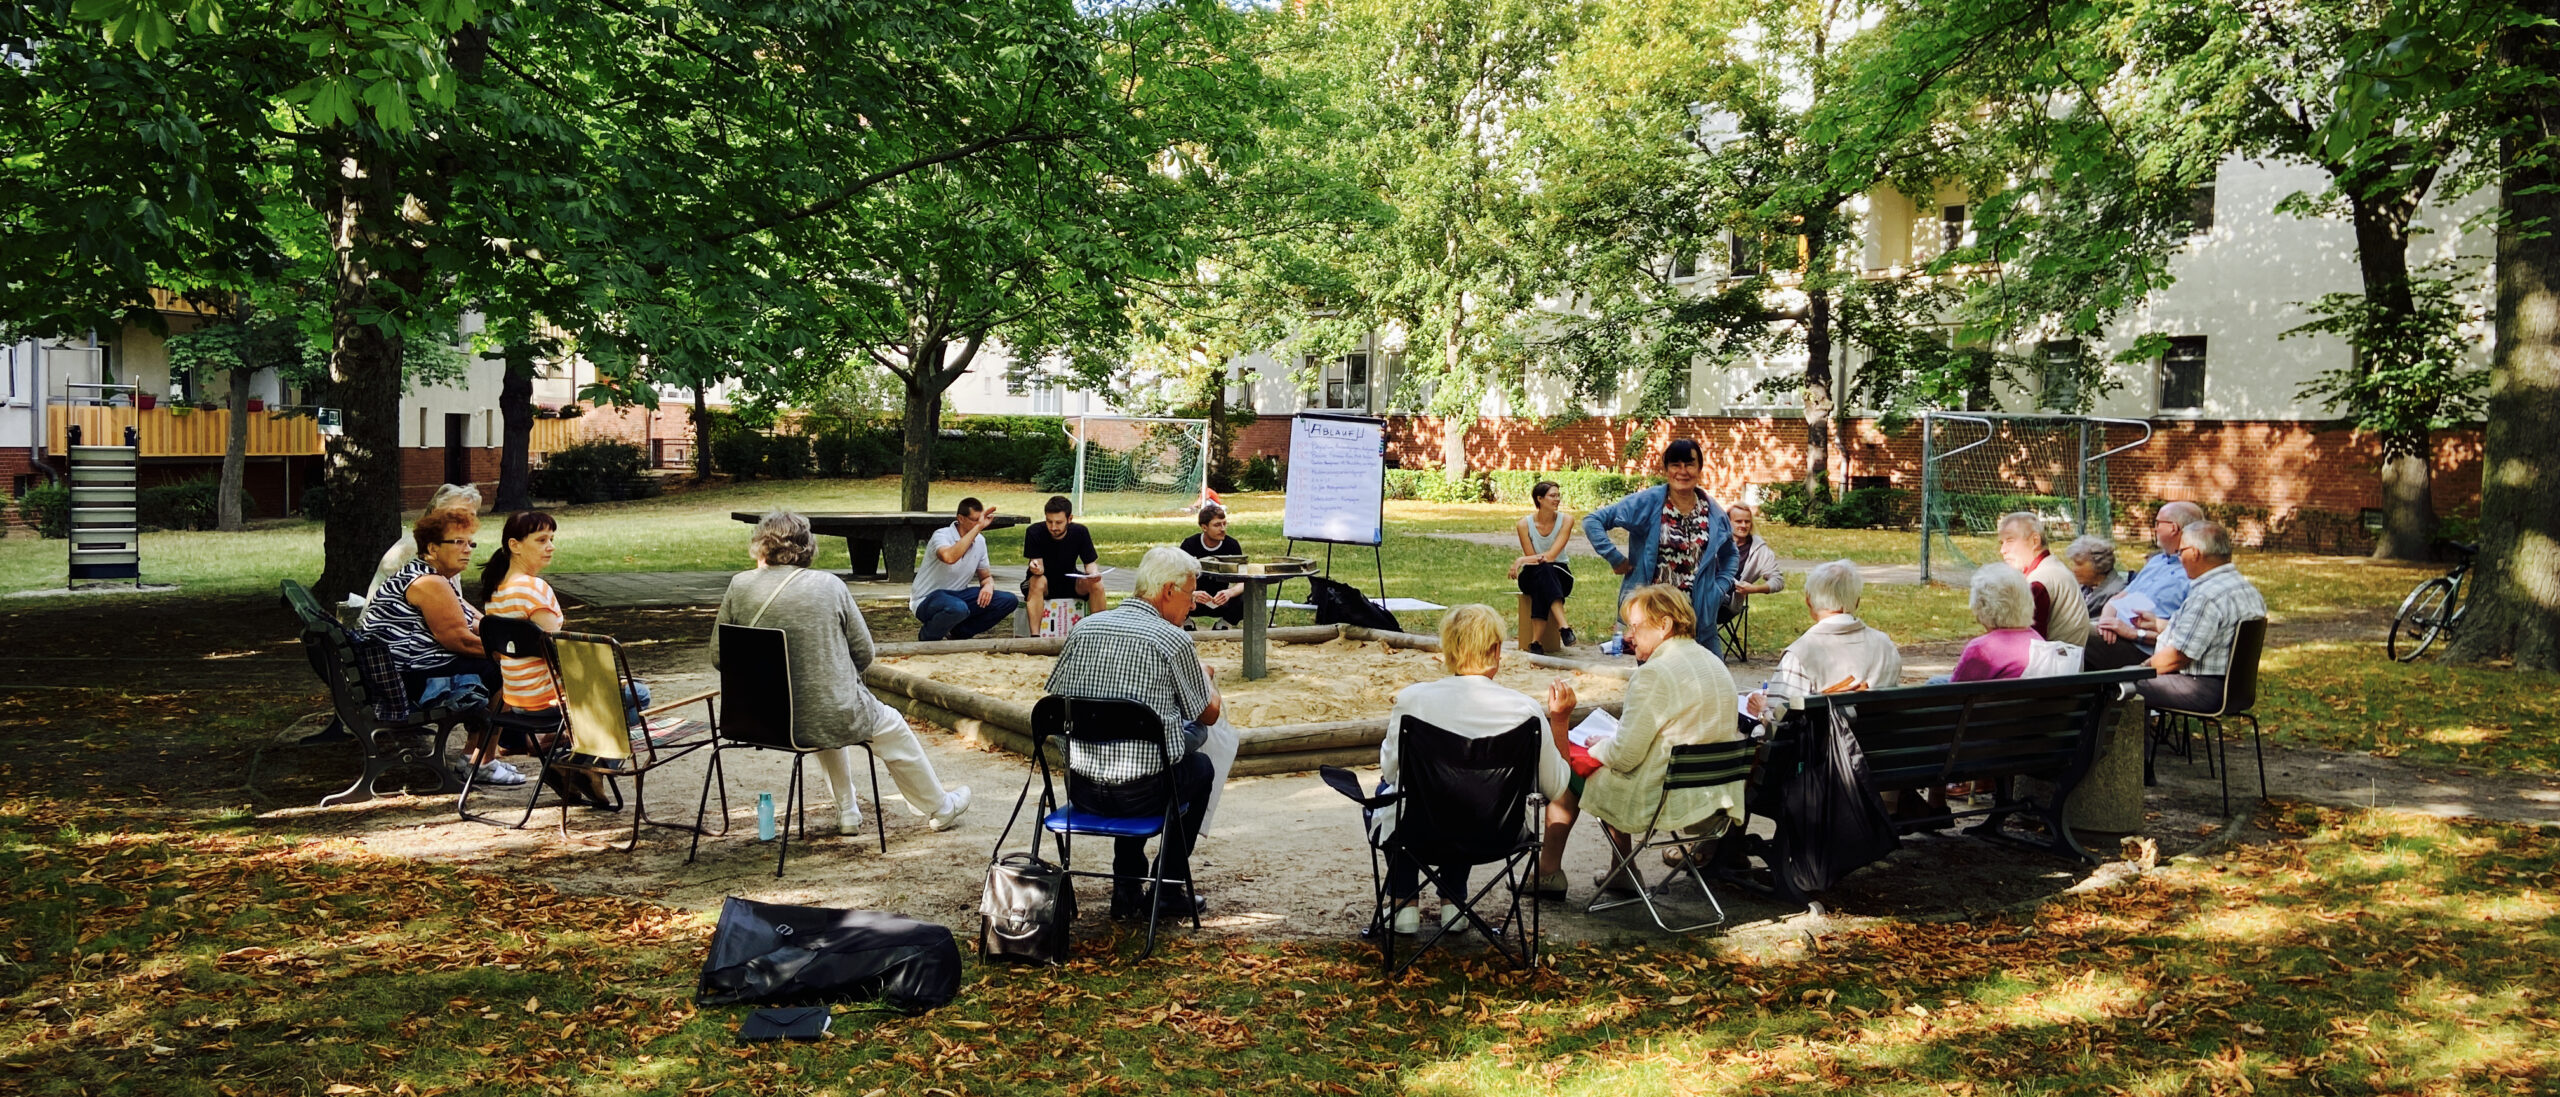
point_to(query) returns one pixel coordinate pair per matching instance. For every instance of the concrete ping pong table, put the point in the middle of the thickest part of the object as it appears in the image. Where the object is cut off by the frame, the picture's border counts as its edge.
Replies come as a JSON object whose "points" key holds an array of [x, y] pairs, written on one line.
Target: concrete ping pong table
{"points": [[874, 539]]}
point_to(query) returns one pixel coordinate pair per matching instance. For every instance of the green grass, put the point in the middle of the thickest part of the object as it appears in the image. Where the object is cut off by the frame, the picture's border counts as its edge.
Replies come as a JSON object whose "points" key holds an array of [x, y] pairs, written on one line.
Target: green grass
{"points": [[2357, 953]]}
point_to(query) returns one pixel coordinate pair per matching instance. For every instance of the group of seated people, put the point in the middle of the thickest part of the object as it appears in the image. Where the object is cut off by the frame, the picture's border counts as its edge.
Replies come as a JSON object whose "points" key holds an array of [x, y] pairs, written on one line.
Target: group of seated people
{"points": [[954, 596]]}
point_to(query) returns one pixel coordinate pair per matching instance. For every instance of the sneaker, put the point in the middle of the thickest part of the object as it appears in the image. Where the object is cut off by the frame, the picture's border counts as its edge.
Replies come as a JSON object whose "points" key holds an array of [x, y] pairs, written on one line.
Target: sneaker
{"points": [[1535, 649], [1408, 920], [1452, 919], [1613, 646], [1549, 886], [954, 804], [1614, 884], [500, 773], [849, 819]]}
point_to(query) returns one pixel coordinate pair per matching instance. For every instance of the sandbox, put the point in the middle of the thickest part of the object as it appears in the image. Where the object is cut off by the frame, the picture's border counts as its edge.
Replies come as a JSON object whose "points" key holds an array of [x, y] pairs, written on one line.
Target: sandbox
{"points": [[1325, 702]]}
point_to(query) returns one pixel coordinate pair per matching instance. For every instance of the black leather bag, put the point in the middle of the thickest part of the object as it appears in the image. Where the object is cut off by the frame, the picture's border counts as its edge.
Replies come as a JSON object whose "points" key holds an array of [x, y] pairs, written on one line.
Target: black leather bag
{"points": [[1024, 915], [769, 953], [1343, 604]]}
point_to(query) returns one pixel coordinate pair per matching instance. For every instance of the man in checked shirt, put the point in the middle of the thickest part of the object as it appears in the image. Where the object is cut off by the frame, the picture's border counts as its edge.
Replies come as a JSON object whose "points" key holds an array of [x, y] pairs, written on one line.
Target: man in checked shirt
{"points": [[1137, 651]]}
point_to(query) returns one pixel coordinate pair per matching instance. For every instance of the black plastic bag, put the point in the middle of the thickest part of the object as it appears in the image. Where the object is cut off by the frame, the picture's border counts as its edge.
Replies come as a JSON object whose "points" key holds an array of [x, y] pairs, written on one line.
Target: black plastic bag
{"points": [[1841, 822], [768, 953], [1343, 604]]}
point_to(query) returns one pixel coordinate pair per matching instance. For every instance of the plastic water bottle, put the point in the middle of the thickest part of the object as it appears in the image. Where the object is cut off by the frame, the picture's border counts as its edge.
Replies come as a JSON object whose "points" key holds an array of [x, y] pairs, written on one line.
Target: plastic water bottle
{"points": [[764, 816]]}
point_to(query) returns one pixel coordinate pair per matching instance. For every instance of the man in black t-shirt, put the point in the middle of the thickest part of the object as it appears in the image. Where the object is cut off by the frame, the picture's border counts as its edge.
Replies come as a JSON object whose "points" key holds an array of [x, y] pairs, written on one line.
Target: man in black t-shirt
{"points": [[1219, 598], [1056, 547]]}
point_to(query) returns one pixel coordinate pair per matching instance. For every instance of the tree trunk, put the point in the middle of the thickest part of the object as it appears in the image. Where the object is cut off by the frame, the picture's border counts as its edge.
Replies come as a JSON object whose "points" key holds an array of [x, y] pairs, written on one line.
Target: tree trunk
{"points": [[1453, 424], [700, 418], [923, 426], [2408, 475], [235, 454], [1817, 363], [515, 416], [362, 464], [1220, 457], [2515, 601]]}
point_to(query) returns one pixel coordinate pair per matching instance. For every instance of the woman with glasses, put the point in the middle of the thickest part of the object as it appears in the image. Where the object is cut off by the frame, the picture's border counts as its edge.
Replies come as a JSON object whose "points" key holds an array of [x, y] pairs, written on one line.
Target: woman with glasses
{"points": [[433, 632]]}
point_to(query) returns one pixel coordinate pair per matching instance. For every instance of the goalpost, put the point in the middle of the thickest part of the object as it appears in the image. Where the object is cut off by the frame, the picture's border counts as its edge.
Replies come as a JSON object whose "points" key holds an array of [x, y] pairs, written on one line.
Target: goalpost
{"points": [[1978, 465], [1132, 464]]}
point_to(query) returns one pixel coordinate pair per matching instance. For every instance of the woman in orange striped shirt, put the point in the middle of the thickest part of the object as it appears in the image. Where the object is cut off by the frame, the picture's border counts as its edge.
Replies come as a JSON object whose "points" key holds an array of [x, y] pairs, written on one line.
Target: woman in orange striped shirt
{"points": [[511, 585]]}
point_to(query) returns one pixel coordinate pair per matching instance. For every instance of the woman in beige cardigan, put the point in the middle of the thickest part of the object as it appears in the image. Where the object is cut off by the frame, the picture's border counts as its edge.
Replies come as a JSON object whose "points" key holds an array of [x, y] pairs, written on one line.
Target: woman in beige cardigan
{"points": [[1681, 695]]}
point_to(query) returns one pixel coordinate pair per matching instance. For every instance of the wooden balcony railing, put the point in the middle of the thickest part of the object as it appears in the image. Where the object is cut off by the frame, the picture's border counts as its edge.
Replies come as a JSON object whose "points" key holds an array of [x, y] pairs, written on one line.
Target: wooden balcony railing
{"points": [[198, 433]]}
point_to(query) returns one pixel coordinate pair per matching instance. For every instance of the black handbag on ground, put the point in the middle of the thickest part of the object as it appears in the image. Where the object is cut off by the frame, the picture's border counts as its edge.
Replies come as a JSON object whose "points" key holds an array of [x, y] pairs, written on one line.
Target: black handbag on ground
{"points": [[769, 953], [1342, 603], [1029, 904]]}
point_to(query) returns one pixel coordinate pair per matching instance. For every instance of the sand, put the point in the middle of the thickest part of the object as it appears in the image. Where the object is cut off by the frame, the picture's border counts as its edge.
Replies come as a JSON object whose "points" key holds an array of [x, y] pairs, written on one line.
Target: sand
{"points": [[1309, 683]]}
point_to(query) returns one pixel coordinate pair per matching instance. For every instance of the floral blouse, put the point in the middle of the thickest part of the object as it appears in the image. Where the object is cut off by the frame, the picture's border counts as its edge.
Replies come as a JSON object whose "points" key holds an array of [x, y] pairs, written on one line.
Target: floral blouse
{"points": [[1684, 539]]}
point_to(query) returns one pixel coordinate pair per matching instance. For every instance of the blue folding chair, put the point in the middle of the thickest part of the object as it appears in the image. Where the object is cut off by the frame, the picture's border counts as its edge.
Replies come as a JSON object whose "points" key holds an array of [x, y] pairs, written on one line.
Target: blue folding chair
{"points": [[1094, 721]]}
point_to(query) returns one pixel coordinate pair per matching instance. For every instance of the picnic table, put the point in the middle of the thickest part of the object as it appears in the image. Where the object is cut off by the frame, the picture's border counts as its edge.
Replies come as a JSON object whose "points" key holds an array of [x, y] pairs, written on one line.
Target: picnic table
{"points": [[869, 538]]}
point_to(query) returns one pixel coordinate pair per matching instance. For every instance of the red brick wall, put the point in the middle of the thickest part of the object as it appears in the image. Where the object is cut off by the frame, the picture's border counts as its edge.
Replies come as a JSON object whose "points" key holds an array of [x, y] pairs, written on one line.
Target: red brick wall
{"points": [[422, 471], [14, 463], [2278, 467]]}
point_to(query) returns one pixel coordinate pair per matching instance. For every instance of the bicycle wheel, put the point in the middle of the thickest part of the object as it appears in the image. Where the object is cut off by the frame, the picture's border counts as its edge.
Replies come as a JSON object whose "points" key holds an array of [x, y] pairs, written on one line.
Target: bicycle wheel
{"points": [[2422, 618]]}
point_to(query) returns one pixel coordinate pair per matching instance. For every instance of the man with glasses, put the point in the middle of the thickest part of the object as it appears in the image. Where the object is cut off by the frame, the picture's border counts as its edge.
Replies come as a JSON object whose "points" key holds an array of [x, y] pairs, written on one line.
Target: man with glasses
{"points": [[2195, 648], [2116, 639]]}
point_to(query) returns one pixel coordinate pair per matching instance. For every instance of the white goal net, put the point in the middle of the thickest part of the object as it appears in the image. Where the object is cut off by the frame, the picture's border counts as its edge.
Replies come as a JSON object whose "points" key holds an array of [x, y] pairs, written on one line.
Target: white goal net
{"points": [[1138, 465], [1977, 466]]}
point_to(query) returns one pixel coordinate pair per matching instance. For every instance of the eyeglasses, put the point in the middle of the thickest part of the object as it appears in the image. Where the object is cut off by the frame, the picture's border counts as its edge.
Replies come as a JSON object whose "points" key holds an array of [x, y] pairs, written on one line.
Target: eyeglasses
{"points": [[462, 541]]}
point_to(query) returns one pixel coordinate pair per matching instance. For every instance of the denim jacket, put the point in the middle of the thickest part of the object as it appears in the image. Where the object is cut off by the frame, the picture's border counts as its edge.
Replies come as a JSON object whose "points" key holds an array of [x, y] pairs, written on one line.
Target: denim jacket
{"points": [[1640, 515]]}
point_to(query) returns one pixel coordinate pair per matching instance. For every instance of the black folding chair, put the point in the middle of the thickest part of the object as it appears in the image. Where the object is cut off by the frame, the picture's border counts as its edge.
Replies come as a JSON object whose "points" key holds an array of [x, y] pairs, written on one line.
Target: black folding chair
{"points": [[2173, 727], [1697, 765], [537, 730], [755, 681], [1734, 634], [1093, 722], [1464, 801]]}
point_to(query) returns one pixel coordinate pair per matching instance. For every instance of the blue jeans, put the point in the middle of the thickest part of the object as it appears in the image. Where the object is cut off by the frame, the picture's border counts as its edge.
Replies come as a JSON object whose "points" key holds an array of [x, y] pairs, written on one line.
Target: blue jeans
{"points": [[956, 615]]}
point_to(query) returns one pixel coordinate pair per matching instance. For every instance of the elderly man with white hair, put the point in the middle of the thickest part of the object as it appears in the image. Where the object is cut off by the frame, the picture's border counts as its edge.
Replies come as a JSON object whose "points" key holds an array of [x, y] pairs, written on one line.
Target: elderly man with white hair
{"points": [[2195, 650], [2059, 612], [1840, 653], [1137, 651], [2116, 639]]}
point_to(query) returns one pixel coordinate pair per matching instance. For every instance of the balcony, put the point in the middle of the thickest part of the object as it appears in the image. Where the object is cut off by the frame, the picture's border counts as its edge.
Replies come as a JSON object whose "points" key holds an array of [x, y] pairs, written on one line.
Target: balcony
{"points": [[168, 432]]}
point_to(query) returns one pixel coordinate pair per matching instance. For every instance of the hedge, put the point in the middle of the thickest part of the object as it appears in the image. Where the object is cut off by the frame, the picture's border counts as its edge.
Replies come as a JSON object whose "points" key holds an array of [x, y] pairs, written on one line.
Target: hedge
{"points": [[595, 472], [48, 508], [193, 504]]}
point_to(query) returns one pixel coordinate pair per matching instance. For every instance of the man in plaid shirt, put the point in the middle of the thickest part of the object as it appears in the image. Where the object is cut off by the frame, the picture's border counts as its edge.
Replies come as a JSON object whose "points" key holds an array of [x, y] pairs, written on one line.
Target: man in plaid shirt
{"points": [[1137, 651], [2195, 650]]}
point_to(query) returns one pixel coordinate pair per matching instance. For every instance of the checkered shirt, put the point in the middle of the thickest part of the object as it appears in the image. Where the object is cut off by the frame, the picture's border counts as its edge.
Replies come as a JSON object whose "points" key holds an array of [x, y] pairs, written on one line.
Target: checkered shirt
{"points": [[2202, 631], [1131, 653]]}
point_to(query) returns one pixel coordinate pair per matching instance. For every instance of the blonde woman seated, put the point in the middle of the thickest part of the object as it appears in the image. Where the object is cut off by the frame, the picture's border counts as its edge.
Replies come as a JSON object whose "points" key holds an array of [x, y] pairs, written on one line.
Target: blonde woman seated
{"points": [[1681, 695], [830, 646], [1468, 703], [1840, 653]]}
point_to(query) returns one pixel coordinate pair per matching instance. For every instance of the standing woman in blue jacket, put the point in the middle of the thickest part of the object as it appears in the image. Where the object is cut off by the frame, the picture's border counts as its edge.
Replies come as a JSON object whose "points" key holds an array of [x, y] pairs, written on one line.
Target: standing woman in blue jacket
{"points": [[1675, 534]]}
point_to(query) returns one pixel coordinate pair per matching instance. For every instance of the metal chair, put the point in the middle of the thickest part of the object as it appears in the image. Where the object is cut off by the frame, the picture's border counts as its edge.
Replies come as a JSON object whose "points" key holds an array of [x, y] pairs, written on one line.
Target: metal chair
{"points": [[1698, 765], [368, 699], [1734, 634], [1464, 801], [1095, 721], [2239, 698], [755, 677]]}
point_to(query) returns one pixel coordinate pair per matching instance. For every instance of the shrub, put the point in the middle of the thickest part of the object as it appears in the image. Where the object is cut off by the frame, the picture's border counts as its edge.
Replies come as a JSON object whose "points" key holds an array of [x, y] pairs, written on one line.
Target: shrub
{"points": [[1584, 489], [1057, 473], [48, 507], [1000, 447], [786, 456], [595, 472], [1860, 508], [315, 502], [193, 504], [1429, 486], [1264, 473], [1787, 503]]}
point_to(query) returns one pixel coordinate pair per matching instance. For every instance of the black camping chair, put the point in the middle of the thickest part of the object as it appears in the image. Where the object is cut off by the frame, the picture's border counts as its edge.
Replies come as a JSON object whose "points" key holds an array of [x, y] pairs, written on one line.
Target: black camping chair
{"points": [[1092, 722], [1465, 801], [1734, 633], [2173, 727], [1696, 765], [755, 680], [536, 730]]}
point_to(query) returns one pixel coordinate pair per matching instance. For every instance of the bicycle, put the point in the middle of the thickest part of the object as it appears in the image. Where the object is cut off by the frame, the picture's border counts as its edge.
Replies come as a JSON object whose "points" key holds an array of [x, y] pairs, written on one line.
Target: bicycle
{"points": [[2434, 608]]}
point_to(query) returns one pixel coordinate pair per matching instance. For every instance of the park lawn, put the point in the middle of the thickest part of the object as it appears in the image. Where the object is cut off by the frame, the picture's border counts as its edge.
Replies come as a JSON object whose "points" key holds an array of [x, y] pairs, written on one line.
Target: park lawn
{"points": [[2347, 696], [2354, 952]]}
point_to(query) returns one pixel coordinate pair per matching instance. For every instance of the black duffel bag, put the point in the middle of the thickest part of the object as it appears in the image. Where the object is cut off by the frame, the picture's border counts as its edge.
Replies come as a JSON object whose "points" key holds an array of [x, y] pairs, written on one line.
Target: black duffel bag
{"points": [[1343, 604], [772, 954]]}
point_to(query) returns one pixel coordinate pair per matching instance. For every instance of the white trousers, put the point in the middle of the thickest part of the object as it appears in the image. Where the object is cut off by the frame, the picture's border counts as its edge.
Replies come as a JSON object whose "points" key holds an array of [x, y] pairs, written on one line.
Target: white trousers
{"points": [[895, 744], [1218, 742]]}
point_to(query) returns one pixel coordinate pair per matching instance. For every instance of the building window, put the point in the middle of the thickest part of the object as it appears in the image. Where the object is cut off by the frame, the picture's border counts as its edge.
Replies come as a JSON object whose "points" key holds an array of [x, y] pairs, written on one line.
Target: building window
{"points": [[1684, 267], [1952, 221], [2182, 374], [1680, 387], [1746, 255], [2199, 216], [2060, 359], [1017, 379], [1343, 382], [1046, 400]]}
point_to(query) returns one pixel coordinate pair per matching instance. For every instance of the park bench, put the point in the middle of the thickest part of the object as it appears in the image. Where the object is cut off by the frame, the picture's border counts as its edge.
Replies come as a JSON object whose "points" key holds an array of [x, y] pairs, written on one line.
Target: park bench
{"points": [[2046, 730], [374, 707]]}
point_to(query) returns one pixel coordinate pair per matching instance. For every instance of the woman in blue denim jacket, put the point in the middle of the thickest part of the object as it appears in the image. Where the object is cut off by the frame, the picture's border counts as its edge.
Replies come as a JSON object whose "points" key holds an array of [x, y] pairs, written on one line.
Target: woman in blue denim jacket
{"points": [[1699, 554]]}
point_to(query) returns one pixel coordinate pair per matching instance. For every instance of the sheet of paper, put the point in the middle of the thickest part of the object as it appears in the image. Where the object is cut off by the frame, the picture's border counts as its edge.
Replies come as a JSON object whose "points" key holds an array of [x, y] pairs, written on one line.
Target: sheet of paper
{"points": [[1593, 728], [1089, 573], [2124, 606]]}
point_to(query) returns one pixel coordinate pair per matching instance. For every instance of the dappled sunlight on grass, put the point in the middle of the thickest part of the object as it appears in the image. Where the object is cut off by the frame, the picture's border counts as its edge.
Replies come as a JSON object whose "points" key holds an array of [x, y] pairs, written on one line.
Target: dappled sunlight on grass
{"points": [[2346, 696]]}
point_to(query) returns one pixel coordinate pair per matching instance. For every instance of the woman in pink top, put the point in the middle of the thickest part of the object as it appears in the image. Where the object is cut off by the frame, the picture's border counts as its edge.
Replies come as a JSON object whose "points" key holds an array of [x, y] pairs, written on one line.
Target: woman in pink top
{"points": [[2005, 605]]}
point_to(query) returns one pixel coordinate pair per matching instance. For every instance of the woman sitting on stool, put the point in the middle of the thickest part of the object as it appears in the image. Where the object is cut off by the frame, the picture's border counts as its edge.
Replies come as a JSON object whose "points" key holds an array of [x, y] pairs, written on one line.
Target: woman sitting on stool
{"points": [[1545, 581]]}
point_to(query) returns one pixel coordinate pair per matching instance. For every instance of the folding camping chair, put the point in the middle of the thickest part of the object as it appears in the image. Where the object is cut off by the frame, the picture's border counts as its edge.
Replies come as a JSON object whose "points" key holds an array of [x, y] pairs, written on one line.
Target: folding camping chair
{"points": [[593, 678], [1095, 721], [1463, 801], [1734, 634], [755, 677], [1697, 765]]}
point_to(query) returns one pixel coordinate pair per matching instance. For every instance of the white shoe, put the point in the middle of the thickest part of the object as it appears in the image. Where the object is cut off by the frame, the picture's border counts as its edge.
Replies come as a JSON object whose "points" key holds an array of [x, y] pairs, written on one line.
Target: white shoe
{"points": [[1408, 920], [849, 819], [1452, 920], [954, 804], [500, 773]]}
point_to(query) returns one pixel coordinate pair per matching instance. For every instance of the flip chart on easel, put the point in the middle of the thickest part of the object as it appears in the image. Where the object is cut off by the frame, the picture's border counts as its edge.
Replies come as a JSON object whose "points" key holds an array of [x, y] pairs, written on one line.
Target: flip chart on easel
{"points": [[1337, 480]]}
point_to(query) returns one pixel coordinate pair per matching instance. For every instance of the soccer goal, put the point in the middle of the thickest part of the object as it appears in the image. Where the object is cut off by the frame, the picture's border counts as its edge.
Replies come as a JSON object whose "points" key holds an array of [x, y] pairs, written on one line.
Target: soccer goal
{"points": [[1977, 465], [1137, 465]]}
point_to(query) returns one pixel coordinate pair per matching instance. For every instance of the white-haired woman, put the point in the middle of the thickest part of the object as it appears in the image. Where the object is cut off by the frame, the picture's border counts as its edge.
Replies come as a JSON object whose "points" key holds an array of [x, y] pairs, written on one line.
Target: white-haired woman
{"points": [[2092, 560], [1471, 704], [830, 647], [1840, 653], [2006, 607], [460, 498]]}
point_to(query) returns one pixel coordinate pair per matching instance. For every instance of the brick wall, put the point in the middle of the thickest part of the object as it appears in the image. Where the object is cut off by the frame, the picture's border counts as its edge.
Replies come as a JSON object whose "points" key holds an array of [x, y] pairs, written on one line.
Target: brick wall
{"points": [[14, 464], [2297, 474], [637, 425], [422, 471]]}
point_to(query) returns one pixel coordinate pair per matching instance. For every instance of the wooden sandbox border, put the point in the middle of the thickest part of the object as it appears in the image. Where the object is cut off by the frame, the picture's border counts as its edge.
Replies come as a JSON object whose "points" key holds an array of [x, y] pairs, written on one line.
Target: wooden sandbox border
{"points": [[1282, 748]]}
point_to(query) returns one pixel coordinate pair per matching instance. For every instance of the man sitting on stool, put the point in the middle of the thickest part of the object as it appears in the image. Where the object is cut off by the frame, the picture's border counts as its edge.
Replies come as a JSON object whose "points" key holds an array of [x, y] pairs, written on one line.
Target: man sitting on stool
{"points": [[954, 559], [2195, 650], [1055, 548], [1139, 652]]}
